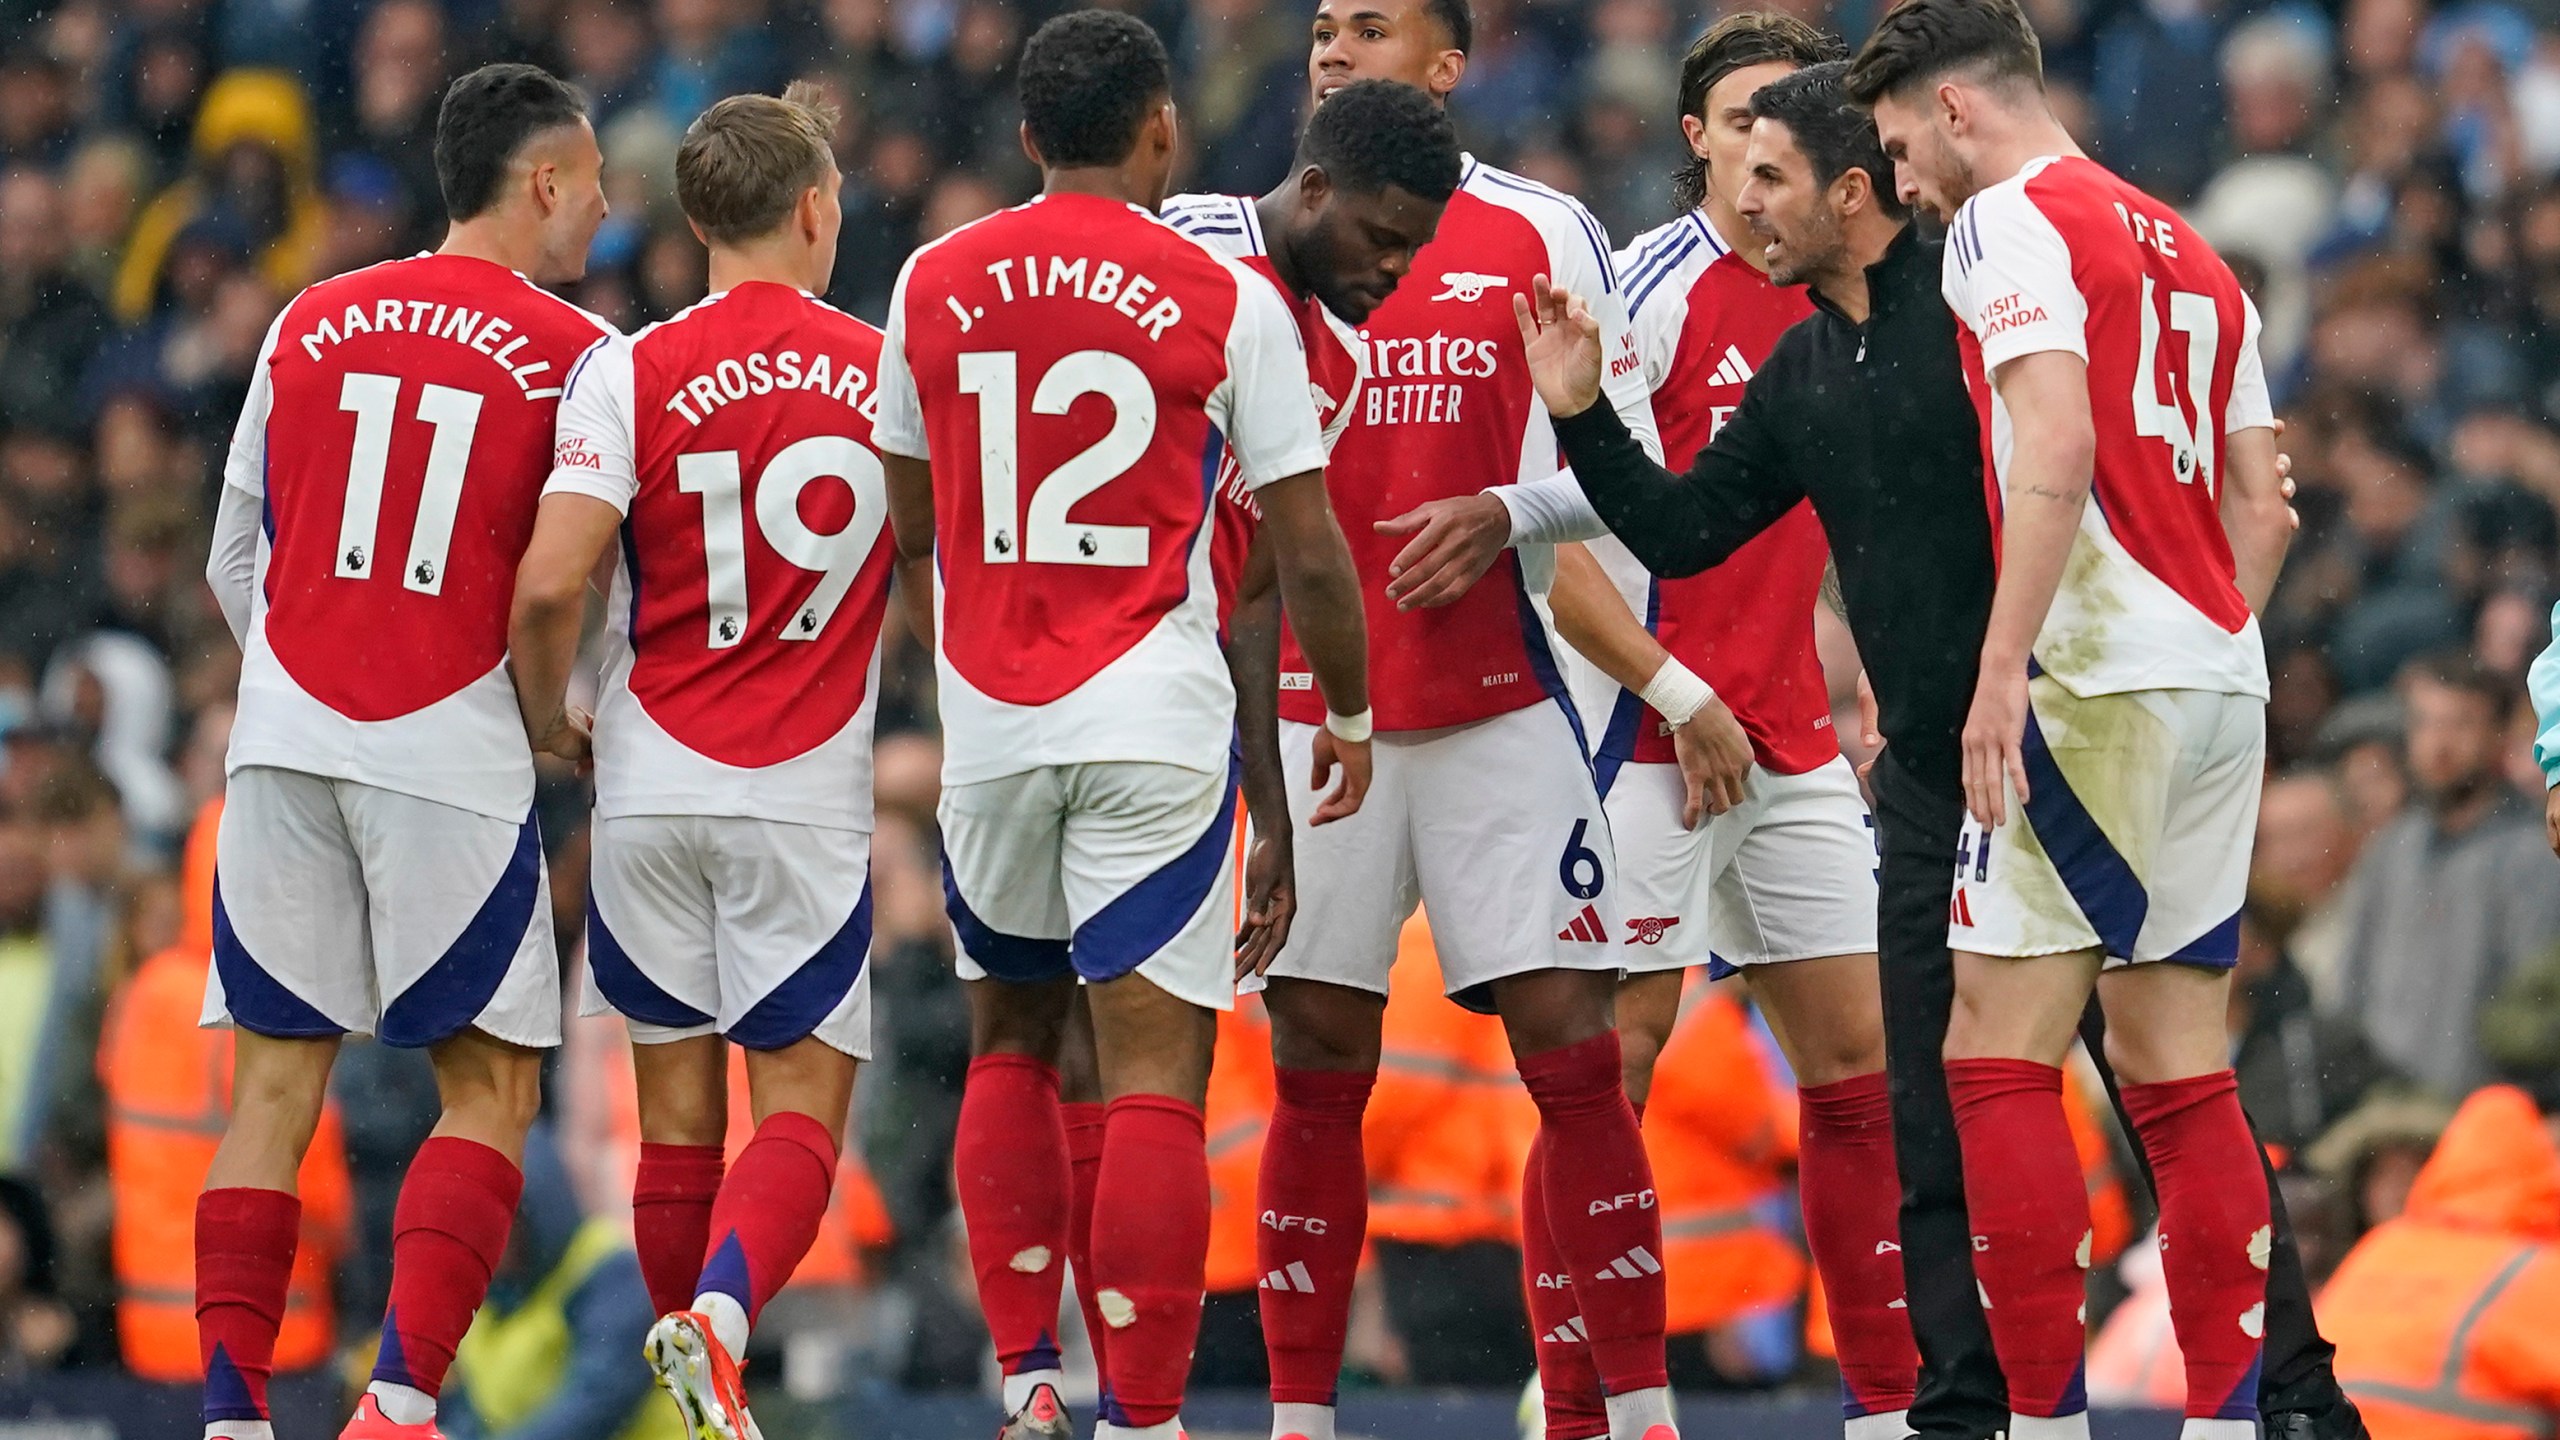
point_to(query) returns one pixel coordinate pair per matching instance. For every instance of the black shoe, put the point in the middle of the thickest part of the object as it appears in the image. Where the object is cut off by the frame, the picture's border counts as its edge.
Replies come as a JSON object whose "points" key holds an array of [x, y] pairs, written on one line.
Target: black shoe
{"points": [[2340, 1421], [1042, 1417]]}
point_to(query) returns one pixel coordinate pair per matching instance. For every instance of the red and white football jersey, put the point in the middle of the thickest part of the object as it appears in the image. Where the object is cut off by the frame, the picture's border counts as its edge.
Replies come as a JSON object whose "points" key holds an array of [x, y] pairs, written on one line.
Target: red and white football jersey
{"points": [[1447, 408], [1706, 320], [398, 430], [1078, 371], [746, 610], [2065, 256], [1229, 225]]}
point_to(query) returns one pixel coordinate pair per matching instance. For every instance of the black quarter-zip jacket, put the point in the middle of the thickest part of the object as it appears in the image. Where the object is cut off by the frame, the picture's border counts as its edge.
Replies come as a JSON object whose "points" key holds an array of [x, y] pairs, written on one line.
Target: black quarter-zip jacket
{"points": [[1873, 424]]}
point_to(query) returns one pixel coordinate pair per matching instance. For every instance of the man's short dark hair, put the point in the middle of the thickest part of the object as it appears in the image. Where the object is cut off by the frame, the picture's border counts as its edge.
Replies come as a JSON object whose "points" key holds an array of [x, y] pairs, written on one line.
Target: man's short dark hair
{"points": [[1377, 134], [1738, 42], [1920, 40], [1836, 136], [1088, 80], [487, 117], [1458, 18]]}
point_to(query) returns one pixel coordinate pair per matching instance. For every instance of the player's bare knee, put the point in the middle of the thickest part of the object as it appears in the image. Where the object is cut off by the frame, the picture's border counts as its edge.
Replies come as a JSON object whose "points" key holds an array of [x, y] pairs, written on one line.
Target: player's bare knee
{"points": [[1316, 1026], [1151, 1042], [1009, 1019], [488, 1086], [1550, 1009]]}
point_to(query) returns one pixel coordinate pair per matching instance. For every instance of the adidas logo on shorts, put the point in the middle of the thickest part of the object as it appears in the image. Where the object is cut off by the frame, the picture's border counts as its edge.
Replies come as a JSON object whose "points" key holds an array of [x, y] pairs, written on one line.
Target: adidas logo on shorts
{"points": [[1586, 928]]}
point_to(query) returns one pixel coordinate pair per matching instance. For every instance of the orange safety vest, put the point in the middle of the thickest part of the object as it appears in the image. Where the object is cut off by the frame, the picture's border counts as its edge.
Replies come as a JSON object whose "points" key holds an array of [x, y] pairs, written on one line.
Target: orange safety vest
{"points": [[1242, 1090], [1449, 1125], [2447, 1319], [168, 1091], [1722, 1136], [2110, 1209]]}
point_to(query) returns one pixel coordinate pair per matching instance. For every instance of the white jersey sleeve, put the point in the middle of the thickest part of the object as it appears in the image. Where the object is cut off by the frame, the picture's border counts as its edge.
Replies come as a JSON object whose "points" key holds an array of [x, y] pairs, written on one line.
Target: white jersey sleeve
{"points": [[245, 467], [1262, 407], [2008, 278], [2252, 408], [595, 441], [897, 425]]}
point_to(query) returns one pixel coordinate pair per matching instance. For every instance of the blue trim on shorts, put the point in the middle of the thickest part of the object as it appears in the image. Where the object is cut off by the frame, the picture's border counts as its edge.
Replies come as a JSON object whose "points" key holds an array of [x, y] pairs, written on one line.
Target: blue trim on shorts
{"points": [[1542, 662], [625, 986], [2215, 949], [255, 1000], [1013, 959], [1618, 741], [2109, 894], [1719, 968], [807, 996], [1146, 917], [462, 982]]}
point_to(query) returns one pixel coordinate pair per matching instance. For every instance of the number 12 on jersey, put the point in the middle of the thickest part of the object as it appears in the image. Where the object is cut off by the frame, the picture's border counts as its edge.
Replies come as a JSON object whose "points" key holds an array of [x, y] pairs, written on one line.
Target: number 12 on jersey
{"points": [[1047, 536]]}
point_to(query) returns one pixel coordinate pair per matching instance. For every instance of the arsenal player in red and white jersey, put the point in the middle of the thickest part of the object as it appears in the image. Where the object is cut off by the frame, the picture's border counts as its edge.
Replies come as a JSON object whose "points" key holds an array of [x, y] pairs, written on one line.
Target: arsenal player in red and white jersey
{"points": [[1742, 837], [380, 869], [1484, 808], [729, 449], [1058, 385], [2117, 739]]}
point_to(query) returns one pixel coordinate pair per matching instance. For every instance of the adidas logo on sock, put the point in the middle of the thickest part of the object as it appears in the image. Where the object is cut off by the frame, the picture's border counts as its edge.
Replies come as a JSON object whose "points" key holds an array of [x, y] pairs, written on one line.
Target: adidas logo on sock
{"points": [[1586, 928], [1732, 370], [1294, 1279], [1571, 1332], [1634, 1265]]}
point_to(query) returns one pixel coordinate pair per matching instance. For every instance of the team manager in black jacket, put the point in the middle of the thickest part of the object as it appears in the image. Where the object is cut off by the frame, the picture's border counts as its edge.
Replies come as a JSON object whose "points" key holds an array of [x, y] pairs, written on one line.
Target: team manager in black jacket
{"points": [[1862, 409]]}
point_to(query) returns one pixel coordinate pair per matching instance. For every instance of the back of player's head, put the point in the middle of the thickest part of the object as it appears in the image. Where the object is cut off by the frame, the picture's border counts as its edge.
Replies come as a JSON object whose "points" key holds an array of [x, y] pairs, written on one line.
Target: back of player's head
{"points": [[1919, 41], [487, 117], [1744, 39], [1374, 135], [1088, 81], [1458, 18], [1835, 135], [746, 161]]}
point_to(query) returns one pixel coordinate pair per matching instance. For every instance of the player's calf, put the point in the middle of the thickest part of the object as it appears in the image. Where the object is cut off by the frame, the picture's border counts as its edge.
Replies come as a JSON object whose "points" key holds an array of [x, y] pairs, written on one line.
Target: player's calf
{"points": [[684, 1122]]}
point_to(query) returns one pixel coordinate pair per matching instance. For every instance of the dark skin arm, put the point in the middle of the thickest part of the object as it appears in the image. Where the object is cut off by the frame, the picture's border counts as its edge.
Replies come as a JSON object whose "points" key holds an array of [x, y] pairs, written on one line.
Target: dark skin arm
{"points": [[910, 486], [1253, 660], [1321, 593]]}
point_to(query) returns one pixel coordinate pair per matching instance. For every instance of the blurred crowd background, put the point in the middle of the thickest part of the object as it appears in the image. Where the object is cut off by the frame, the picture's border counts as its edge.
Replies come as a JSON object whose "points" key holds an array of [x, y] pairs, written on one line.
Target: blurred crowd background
{"points": [[2385, 174]]}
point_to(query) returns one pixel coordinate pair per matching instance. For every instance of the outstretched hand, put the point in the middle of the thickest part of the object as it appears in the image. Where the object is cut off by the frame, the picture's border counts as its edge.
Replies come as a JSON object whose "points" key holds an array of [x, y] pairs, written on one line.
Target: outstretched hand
{"points": [[1563, 343]]}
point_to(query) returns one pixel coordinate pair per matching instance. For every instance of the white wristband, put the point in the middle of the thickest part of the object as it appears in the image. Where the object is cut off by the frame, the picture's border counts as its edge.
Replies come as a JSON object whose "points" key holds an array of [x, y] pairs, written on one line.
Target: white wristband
{"points": [[1676, 693], [1354, 728]]}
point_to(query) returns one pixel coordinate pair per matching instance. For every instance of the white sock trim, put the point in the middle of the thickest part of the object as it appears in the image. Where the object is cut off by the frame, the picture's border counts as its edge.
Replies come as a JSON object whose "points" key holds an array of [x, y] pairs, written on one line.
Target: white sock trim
{"points": [[2055, 1427], [1314, 1422], [1018, 1388], [240, 1430], [1883, 1425], [1635, 1413], [402, 1404], [728, 1320]]}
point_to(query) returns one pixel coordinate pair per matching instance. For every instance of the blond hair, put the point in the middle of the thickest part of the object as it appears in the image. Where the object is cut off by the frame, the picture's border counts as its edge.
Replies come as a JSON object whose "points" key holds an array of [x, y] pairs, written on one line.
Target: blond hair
{"points": [[745, 161]]}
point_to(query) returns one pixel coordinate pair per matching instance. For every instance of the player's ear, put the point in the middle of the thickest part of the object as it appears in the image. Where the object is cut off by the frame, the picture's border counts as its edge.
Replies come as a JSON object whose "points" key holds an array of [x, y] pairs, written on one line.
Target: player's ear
{"points": [[1314, 188], [696, 227], [1853, 191], [545, 184], [1955, 107], [1694, 130], [1447, 69], [1030, 149]]}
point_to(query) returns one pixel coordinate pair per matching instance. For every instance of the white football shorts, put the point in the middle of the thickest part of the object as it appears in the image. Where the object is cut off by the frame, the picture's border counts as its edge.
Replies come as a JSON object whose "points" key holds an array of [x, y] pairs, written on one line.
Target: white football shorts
{"points": [[1098, 870], [344, 909], [1789, 874], [1495, 828], [758, 930], [2135, 838]]}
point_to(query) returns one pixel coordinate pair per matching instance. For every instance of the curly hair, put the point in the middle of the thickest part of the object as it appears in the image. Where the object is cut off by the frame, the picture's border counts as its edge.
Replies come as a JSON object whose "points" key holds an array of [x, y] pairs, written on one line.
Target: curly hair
{"points": [[1377, 134], [1088, 80]]}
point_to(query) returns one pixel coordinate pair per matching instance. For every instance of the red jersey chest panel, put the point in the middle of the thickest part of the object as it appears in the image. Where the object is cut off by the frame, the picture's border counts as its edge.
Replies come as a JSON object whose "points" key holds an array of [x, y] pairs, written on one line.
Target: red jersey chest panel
{"points": [[406, 448], [1446, 408], [1064, 355], [1333, 383], [754, 544], [2164, 324], [1746, 626]]}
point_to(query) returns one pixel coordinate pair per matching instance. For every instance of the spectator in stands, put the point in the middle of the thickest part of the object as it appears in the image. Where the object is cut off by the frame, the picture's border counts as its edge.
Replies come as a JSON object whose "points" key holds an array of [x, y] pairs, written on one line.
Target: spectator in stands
{"points": [[254, 172], [35, 1328], [50, 323], [2457, 892], [2443, 1316], [2300, 1069], [2374, 1155], [402, 62], [2297, 875]]}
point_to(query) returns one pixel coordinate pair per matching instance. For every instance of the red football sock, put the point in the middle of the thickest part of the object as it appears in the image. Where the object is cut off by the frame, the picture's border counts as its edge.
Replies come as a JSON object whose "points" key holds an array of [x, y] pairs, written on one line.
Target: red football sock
{"points": [[244, 1266], [1852, 1195], [1151, 1250], [1084, 1122], [1010, 1156], [1314, 1186], [2213, 1234], [1568, 1381], [671, 1218], [2030, 1216], [1600, 1207], [447, 1235], [768, 1210]]}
